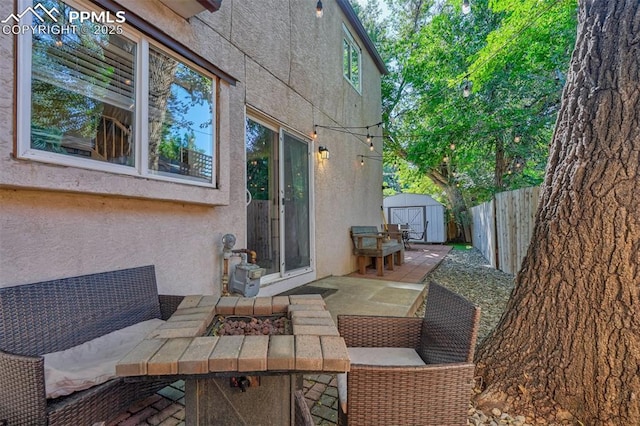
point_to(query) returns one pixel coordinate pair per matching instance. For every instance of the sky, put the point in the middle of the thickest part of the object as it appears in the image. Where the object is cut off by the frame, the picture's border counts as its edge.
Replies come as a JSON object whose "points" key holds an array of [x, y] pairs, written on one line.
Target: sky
{"points": [[381, 3]]}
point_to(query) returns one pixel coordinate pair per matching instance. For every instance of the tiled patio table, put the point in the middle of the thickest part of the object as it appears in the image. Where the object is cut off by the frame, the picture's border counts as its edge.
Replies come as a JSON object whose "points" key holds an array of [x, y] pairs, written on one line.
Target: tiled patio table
{"points": [[269, 366]]}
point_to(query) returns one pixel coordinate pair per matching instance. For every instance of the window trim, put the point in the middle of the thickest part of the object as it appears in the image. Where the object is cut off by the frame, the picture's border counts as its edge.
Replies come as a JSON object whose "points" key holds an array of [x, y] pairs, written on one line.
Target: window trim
{"points": [[154, 33], [140, 168], [349, 39], [147, 43]]}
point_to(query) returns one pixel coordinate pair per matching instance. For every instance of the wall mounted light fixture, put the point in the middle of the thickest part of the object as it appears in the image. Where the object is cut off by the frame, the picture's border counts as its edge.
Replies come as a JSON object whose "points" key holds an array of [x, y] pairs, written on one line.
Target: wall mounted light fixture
{"points": [[324, 152]]}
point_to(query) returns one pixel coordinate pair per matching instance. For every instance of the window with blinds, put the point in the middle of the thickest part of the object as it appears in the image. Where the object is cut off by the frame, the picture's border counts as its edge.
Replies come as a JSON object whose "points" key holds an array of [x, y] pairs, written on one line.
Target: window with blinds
{"points": [[83, 92], [100, 98]]}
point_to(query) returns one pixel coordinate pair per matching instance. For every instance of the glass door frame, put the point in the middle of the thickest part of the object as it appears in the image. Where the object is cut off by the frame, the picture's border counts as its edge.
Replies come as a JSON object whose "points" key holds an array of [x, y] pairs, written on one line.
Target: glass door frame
{"points": [[310, 227], [280, 129]]}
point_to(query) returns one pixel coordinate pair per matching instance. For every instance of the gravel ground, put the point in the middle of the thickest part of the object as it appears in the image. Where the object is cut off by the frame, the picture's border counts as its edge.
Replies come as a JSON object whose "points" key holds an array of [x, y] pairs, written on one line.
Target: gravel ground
{"points": [[469, 274]]}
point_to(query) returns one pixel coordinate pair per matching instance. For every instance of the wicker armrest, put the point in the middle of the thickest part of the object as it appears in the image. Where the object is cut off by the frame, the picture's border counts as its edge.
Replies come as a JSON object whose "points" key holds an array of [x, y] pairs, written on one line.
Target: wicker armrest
{"points": [[380, 331], [22, 393], [168, 305]]}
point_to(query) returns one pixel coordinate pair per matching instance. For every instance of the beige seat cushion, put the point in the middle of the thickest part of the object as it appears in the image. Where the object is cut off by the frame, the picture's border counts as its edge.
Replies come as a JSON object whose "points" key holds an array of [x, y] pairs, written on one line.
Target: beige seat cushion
{"points": [[401, 357], [92, 362]]}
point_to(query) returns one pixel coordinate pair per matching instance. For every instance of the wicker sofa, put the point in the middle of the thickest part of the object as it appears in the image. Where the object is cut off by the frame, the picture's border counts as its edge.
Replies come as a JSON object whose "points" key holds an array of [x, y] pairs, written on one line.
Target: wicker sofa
{"points": [[56, 315], [434, 392]]}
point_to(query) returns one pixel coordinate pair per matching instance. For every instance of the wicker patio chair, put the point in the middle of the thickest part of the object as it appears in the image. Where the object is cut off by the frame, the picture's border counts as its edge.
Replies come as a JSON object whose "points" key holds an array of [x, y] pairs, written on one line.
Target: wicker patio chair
{"points": [[435, 392]]}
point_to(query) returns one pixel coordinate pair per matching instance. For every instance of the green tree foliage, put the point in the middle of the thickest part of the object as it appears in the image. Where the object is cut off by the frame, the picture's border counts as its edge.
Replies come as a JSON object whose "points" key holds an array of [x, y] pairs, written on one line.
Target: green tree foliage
{"points": [[510, 55]]}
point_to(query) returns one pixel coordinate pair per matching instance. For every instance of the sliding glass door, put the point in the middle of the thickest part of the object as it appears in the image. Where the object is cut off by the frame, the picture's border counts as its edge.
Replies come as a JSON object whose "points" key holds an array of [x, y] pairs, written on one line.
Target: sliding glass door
{"points": [[278, 214], [296, 203]]}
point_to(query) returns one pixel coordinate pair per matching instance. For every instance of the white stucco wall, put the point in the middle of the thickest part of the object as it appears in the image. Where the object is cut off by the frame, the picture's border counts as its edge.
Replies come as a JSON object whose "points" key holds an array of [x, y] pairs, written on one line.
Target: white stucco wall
{"points": [[61, 221]]}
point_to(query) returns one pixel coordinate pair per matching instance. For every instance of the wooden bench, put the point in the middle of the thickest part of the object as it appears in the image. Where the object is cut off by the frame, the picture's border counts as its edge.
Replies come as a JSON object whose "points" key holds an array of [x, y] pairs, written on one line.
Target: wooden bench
{"points": [[52, 316], [368, 242]]}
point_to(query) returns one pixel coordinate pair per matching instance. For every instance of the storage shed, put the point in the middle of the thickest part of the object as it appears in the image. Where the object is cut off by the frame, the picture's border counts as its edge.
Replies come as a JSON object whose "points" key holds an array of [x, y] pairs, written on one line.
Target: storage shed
{"points": [[416, 210]]}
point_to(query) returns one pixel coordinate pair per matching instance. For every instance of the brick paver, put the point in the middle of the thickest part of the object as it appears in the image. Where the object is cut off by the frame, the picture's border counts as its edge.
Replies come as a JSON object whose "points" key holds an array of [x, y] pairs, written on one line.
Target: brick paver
{"points": [[166, 408]]}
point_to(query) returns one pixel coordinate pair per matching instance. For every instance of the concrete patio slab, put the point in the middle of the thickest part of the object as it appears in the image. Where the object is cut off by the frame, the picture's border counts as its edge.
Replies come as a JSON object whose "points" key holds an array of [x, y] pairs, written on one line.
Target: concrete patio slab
{"points": [[365, 296]]}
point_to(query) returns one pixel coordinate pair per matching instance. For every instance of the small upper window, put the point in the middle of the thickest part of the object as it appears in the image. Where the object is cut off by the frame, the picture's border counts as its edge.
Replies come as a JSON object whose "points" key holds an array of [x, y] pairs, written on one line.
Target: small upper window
{"points": [[351, 58]]}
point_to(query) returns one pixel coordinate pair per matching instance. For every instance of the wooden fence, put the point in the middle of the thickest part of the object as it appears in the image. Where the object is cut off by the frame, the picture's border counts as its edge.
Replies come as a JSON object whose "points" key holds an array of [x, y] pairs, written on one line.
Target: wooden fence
{"points": [[259, 235], [483, 231], [502, 227]]}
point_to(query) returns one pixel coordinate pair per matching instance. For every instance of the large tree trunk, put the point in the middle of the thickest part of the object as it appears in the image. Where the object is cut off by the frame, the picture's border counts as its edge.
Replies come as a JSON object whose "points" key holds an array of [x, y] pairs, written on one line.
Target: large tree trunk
{"points": [[569, 341], [456, 202]]}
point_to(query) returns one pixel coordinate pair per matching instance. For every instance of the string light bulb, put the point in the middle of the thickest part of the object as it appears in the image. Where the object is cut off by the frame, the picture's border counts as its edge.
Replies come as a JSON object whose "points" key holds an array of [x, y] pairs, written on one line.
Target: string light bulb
{"points": [[517, 139], [362, 160], [371, 148], [452, 146], [466, 90], [466, 7], [319, 11]]}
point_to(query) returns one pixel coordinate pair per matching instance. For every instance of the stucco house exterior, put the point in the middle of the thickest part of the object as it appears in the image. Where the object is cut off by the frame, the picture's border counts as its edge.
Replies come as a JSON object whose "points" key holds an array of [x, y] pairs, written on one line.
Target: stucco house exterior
{"points": [[147, 131]]}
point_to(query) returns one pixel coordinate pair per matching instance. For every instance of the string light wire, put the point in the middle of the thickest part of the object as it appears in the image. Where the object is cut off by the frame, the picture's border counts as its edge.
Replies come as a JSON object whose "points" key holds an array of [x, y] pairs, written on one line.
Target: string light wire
{"points": [[465, 78]]}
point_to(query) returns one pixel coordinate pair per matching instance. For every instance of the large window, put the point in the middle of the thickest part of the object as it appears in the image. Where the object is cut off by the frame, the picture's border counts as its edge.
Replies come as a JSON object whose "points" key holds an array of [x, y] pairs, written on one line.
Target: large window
{"points": [[351, 57], [105, 97]]}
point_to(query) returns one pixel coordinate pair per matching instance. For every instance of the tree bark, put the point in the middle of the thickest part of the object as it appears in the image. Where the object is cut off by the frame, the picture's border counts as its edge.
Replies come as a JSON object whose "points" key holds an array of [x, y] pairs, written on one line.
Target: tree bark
{"points": [[456, 201], [569, 341], [500, 166], [162, 71]]}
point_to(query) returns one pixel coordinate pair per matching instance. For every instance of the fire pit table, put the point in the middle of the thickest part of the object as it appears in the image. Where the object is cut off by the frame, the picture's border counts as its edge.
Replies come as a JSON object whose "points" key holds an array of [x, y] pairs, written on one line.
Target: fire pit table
{"points": [[240, 379]]}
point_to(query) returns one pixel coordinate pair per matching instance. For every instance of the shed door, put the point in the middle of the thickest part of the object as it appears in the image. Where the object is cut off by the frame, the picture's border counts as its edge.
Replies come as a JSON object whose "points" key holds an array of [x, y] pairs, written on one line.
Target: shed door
{"points": [[435, 229], [414, 216]]}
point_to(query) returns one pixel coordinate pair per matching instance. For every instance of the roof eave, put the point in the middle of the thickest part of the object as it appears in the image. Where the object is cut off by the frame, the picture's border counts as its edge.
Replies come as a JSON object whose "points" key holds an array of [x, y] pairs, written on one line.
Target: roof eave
{"points": [[353, 19]]}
